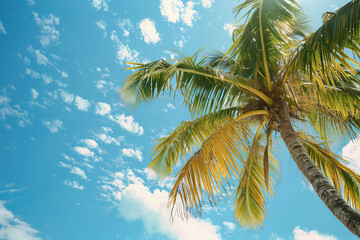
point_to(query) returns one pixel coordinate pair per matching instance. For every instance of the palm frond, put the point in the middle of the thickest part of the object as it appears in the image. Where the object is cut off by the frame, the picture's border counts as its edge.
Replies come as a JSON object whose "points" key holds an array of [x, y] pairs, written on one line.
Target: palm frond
{"points": [[333, 110], [344, 179], [204, 88], [188, 135], [329, 124], [259, 44], [323, 50], [209, 169], [217, 59], [191, 134], [342, 98], [249, 200]]}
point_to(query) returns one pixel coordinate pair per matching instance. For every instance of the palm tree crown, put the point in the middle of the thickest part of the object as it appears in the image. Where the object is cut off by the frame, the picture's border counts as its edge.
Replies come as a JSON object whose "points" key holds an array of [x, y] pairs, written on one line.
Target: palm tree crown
{"points": [[273, 78]]}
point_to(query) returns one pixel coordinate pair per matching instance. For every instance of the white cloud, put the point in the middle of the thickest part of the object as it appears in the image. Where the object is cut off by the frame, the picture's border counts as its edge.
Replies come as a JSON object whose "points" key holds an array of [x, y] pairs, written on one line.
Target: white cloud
{"points": [[9, 191], [171, 106], [229, 225], [64, 75], [148, 31], [206, 3], [114, 37], [41, 58], [34, 93], [167, 182], [180, 43], [125, 54], [78, 171], [9, 110], [109, 139], [102, 108], [73, 184], [171, 9], [74, 170], [352, 152], [2, 28], [170, 53], [53, 125], [81, 103], [90, 143], [125, 25], [67, 97], [132, 153], [274, 236], [229, 27], [300, 234], [27, 60], [106, 73], [50, 36], [4, 100], [102, 25], [56, 56], [104, 86], [307, 186], [46, 79], [31, 2], [128, 123], [100, 4], [22, 123], [174, 10], [84, 151], [138, 203], [12, 228], [189, 14], [53, 94], [32, 73]]}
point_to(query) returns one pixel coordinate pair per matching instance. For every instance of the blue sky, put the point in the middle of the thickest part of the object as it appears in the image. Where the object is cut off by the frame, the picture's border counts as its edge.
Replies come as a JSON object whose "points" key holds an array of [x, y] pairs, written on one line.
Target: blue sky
{"points": [[73, 158]]}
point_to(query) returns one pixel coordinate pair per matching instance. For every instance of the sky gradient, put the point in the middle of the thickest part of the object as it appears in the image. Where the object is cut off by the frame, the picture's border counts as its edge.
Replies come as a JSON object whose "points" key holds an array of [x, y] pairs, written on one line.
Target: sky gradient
{"points": [[73, 158]]}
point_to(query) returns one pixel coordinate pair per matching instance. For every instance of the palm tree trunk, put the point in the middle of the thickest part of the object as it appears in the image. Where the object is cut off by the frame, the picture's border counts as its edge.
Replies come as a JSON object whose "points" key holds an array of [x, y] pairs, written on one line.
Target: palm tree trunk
{"points": [[328, 194]]}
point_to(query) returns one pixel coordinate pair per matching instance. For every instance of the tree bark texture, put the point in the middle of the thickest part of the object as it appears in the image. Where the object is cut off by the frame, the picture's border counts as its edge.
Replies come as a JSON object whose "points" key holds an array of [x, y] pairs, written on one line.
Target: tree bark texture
{"points": [[327, 193]]}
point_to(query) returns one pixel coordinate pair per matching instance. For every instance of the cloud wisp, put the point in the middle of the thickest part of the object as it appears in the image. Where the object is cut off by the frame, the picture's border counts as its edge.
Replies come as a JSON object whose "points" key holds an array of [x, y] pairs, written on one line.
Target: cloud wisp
{"points": [[49, 34], [12, 228], [136, 202], [53, 125], [128, 123], [2, 28]]}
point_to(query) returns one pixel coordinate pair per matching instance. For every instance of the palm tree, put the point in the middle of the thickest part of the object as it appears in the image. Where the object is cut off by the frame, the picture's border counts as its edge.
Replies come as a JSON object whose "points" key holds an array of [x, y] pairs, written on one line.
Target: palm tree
{"points": [[273, 79]]}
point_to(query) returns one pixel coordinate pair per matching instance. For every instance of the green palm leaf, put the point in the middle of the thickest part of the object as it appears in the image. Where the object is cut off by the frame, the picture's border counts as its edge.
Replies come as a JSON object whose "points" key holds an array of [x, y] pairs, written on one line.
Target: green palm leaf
{"points": [[213, 165], [249, 203], [324, 49], [344, 179], [189, 134]]}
